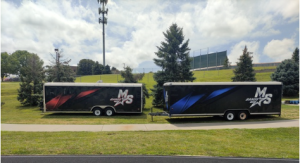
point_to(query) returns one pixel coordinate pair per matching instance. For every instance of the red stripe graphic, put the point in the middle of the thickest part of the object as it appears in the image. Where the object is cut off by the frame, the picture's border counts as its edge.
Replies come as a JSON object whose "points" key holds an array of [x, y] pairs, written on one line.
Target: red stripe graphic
{"points": [[57, 102], [85, 93]]}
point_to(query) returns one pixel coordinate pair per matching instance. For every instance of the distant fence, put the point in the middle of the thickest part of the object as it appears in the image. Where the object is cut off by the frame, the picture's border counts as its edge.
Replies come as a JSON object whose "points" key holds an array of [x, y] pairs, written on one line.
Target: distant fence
{"points": [[208, 60], [145, 70], [272, 64]]}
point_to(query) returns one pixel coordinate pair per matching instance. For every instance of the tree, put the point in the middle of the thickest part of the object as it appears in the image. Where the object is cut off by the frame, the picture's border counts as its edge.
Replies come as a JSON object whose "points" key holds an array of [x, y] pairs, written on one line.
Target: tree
{"points": [[244, 70], [115, 70], [295, 56], [226, 64], [85, 67], [130, 78], [32, 76], [12, 64], [5, 65], [107, 70], [21, 58], [173, 58], [98, 68], [59, 70], [288, 73], [8, 65]]}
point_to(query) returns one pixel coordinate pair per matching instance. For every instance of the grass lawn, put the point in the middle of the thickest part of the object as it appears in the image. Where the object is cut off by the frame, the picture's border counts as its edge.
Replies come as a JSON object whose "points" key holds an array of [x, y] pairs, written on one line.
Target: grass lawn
{"points": [[13, 112], [264, 143]]}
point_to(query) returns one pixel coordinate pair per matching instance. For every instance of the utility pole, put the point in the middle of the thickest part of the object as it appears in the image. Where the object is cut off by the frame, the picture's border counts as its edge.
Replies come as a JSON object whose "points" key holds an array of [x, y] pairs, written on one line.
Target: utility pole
{"points": [[103, 20]]}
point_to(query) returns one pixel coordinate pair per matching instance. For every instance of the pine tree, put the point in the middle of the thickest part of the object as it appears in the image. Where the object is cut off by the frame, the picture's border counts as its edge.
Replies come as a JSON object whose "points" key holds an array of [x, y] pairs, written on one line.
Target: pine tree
{"points": [[60, 71], [226, 64], [288, 73], [173, 58], [130, 78], [32, 76], [295, 56], [244, 70]]}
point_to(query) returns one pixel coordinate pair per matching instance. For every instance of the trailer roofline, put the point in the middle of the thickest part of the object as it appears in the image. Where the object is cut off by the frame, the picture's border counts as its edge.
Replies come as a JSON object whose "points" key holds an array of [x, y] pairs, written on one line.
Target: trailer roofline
{"points": [[222, 83], [94, 84]]}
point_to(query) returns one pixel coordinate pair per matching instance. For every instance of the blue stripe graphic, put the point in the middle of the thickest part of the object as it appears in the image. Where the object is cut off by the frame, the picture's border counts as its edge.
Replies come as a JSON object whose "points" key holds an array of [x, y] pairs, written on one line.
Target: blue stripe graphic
{"points": [[218, 92], [184, 103]]}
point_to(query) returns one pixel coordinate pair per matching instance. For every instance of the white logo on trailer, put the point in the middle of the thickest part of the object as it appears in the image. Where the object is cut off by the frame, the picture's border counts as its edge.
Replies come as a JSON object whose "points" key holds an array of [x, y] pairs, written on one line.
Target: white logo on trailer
{"points": [[260, 96], [122, 97]]}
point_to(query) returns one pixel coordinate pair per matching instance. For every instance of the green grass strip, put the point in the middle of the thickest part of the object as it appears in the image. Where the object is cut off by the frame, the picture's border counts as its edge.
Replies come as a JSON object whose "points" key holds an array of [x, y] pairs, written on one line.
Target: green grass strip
{"points": [[264, 143]]}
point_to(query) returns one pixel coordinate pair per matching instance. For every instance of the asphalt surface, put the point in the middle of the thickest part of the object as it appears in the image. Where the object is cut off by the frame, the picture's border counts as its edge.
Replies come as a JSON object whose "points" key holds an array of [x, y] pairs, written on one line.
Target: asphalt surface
{"points": [[137, 159], [151, 127]]}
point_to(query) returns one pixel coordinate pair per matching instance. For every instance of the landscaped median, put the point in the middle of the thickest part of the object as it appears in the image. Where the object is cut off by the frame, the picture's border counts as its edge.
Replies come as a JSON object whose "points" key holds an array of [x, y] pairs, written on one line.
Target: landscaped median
{"points": [[265, 143]]}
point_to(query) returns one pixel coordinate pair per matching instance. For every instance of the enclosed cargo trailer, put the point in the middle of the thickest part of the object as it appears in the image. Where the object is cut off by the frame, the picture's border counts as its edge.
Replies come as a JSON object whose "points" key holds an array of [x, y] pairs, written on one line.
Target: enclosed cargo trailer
{"points": [[98, 98], [228, 99]]}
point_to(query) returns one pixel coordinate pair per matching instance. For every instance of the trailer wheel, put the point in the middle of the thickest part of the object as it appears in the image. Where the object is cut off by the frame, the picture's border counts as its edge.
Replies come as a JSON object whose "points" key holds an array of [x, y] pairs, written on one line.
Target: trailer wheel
{"points": [[229, 115], [97, 112], [109, 111], [243, 115]]}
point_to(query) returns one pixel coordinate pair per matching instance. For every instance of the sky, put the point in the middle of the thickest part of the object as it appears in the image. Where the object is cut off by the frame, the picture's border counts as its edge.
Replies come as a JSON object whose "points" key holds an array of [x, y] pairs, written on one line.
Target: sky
{"points": [[269, 29]]}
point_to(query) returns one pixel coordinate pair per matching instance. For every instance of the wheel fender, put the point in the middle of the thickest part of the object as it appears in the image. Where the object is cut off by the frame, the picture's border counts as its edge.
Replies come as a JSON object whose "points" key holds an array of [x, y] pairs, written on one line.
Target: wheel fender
{"points": [[103, 107], [111, 107]]}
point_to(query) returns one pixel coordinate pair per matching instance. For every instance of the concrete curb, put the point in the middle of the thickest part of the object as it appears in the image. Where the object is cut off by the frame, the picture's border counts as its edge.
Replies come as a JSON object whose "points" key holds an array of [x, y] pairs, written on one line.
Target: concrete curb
{"points": [[150, 127]]}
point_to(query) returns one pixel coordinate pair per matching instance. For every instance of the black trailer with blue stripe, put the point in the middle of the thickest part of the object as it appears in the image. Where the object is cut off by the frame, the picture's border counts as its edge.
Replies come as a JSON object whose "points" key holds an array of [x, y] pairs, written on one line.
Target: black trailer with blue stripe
{"points": [[228, 99]]}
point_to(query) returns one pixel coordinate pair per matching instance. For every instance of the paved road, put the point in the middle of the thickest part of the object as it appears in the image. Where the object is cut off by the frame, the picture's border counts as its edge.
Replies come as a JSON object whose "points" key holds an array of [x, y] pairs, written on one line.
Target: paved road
{"points": [[152, 127], [137, 159]]}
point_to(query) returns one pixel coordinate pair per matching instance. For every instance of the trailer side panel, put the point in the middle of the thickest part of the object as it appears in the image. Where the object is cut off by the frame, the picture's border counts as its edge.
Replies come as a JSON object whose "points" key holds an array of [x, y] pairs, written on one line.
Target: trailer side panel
{"points": [[216, 99], [67, 98]]}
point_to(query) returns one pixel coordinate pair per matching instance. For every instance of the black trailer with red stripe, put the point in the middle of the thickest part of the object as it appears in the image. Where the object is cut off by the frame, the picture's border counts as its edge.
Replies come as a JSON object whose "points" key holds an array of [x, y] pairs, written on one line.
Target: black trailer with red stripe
{"points": [[97, 98]]}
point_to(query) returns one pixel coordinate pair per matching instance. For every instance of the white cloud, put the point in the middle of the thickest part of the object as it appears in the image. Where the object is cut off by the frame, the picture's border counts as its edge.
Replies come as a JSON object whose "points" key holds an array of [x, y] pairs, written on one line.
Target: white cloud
{"points": [[36, 28], [287, 9], [135, 28], [237, 50], [280, 49]]}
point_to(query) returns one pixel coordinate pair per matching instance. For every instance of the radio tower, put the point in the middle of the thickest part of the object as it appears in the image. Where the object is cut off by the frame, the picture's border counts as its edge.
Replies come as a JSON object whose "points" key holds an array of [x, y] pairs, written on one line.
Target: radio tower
{"points": [[103, 20]]}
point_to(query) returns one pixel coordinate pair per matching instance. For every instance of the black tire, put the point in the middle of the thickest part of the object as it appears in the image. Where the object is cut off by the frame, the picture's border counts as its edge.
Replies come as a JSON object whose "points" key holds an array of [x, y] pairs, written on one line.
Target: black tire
{"points": [[230, 115], [243, 115], [97, 111], [109, 111]]}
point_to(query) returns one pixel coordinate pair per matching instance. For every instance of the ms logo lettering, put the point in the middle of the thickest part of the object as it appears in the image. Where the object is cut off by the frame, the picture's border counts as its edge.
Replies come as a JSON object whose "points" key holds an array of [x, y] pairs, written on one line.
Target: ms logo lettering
{"points": [[260, 96], [122, 97]]}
